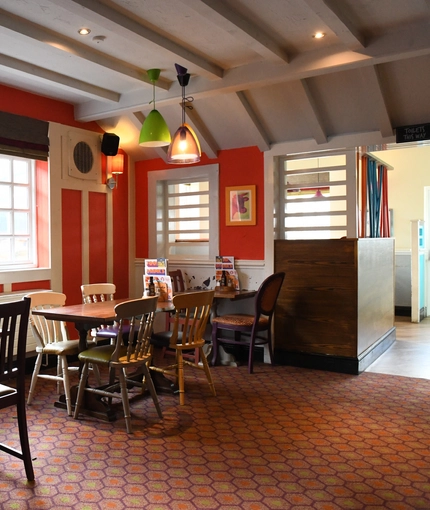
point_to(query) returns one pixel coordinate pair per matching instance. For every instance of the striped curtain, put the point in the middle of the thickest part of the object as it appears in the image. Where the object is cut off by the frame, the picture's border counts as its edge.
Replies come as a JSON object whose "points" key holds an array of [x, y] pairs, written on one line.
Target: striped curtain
{"points": [[375, 217]]}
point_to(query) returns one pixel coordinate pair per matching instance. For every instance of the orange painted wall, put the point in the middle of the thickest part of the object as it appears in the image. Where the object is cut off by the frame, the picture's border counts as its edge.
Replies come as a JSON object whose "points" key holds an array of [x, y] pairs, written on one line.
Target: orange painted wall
{"points": [[120, 234], [71, 213], [41, 284], [42, 213], [31, 105], [237, 167], [42, 108], [97, 210]]}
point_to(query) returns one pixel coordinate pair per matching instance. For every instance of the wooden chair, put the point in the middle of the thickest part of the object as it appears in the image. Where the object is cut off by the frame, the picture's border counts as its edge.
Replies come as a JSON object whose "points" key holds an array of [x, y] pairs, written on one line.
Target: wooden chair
{"points": [[251, 326], [191, 317], [13, 339], [178, 282], [178, 285], [93, 293], [51, 339], [121, 356]]}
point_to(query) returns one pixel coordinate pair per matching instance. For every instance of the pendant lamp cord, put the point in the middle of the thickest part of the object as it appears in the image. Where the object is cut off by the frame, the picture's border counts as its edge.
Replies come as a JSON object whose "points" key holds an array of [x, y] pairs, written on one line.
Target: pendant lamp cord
{"points": [[184, 105]]}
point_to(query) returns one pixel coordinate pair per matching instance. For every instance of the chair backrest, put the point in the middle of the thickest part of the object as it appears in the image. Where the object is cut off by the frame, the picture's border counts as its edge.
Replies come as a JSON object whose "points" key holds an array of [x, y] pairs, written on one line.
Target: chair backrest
{"points": [[13, 339], [138, 315], [93, 292], [47, 331], [191, 317], [267, 294], [178, 283]]}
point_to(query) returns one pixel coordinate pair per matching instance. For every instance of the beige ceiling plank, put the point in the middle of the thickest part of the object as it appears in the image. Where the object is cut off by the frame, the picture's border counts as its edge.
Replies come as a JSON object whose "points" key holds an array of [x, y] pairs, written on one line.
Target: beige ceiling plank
{"points": [[78, 86], [311, 110], [334, 15], [202, 132], [375, 97], [241, 29], [122, 24], [72, 47], [408, 43], [262, 139]]}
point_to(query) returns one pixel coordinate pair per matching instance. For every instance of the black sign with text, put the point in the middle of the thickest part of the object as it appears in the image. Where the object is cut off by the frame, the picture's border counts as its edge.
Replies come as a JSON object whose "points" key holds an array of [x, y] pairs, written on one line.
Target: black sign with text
{"points": [[415, 133]]}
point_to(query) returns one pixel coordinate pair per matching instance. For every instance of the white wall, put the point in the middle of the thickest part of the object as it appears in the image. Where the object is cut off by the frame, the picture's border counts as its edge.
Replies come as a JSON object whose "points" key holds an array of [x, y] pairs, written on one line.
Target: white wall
{"points": [[406, 189]]}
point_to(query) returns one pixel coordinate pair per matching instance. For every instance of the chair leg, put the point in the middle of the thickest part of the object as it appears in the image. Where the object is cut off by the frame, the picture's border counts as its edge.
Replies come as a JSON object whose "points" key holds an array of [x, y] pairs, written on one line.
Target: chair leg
{"points": [[207, 371], [81, 390], [34, 377], [66, 384], [96, 373], [215, 348], [151, 388], [180, 372], [23, 437], [125, 402], [60, 373]]}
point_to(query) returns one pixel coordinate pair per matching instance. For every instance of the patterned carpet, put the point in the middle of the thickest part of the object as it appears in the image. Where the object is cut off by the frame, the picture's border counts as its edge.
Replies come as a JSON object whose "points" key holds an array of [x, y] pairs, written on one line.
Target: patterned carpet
{"points": [[282, 438]]}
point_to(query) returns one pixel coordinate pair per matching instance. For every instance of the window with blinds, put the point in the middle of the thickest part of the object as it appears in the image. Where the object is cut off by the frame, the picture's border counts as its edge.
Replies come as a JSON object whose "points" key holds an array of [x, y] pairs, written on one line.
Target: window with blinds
{"points": [[17, 213], [183, 213], [312, 200], [187, 218]]}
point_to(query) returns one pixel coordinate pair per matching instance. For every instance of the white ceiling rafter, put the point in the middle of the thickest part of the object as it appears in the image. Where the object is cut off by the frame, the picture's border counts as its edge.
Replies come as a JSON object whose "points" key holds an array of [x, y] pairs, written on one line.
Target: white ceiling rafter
{"points": [[261, 138], [86, 89], [69, 46], [124, 25], [202, 132], [375, 97], [335, 16], [388, 47], [310, 109], [242, 29]]}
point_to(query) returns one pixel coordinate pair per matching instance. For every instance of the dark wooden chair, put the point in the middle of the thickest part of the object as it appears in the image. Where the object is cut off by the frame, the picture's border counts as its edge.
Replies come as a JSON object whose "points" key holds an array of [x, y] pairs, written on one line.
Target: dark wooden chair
{"points": [[178, 282], [14, 319], [250, 326]]}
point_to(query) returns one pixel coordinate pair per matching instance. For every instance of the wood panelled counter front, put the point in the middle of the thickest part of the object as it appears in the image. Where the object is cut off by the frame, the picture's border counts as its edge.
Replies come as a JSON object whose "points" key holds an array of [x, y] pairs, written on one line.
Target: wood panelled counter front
{"points": [[335, 310]]}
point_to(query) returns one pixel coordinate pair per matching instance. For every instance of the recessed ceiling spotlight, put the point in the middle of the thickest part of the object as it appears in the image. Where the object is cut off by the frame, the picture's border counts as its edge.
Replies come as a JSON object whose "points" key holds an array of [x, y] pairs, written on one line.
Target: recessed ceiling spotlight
{"points": [[318, 35], [84, 31]]}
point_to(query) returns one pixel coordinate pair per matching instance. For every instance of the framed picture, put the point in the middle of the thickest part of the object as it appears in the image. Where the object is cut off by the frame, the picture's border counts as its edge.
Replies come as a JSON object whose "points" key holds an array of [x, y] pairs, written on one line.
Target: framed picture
{"points": [[240, 205]]}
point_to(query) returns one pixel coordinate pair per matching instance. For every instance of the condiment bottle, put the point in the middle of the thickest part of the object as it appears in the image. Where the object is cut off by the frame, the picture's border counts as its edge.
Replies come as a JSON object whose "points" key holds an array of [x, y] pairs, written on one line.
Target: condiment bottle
{"points": [[223, 281], [151, 286]]}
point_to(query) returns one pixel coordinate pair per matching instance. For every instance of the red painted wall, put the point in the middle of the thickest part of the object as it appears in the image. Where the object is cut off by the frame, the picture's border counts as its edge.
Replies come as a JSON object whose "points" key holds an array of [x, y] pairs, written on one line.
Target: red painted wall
{"points": [[71, 212], [42, 108], [97, 210], [31, 105], [42, 213], [121, 234], [237, 167]]}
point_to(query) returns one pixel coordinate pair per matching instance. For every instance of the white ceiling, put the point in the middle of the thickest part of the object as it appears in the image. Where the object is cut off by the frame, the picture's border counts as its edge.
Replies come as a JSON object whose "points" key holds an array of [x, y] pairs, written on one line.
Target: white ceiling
{"points": [[258, 77]]}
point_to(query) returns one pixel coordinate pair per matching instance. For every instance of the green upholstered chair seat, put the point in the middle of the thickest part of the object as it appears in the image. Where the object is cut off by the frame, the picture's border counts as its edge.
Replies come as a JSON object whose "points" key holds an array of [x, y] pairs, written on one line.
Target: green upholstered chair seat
{"points": [[101, 354]]}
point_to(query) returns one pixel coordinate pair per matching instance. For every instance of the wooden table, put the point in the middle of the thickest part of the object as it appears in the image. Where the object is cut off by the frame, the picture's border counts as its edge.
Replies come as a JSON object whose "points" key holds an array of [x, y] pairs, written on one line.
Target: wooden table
{"points": [[85, 317]]}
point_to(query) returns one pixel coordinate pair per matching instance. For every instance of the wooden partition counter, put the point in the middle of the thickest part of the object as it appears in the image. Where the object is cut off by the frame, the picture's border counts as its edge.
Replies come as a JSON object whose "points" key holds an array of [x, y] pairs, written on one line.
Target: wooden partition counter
{"points": [[335, 310]]}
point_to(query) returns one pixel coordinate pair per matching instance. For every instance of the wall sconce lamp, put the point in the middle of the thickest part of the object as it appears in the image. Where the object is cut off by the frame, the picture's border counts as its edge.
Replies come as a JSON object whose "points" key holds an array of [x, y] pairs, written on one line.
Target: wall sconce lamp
{"points": [[115, 167], [154, 131], [185, 146]]}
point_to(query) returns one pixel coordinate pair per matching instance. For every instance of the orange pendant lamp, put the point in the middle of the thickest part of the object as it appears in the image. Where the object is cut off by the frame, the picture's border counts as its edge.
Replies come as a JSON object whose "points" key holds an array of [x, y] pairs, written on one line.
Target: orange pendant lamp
{"points": [[185, 146]]}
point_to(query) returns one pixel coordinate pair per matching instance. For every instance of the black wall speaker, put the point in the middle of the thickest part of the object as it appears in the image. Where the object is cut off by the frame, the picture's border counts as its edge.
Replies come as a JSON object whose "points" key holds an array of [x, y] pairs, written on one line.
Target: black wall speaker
{"points": [[110, 144]]}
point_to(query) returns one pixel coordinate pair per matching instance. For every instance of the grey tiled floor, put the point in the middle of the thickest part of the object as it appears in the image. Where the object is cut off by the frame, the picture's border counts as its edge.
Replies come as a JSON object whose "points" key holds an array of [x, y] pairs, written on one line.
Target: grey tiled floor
{"points": [[410, 354]]}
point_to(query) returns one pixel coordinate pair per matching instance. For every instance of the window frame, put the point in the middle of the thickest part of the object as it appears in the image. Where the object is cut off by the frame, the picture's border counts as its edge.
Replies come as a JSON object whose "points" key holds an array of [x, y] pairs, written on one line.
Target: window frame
{"points": [[157, 203], [33, 255]]}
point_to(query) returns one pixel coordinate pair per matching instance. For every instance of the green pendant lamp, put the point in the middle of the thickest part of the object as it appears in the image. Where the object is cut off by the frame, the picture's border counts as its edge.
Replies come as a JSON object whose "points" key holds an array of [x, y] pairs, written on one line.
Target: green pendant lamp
{"points": [[154, 131]]}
